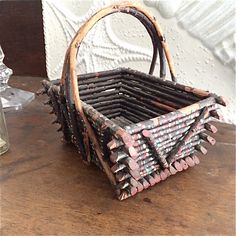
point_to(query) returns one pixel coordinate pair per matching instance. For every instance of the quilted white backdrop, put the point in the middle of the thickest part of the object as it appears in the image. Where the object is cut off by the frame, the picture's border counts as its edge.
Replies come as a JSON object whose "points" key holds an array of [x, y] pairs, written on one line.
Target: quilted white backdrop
{"points": [[120, 40]]}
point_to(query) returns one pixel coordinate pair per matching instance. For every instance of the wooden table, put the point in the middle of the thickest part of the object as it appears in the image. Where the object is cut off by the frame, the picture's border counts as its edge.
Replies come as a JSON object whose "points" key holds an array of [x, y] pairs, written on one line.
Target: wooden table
{"points": [[47, 190]]}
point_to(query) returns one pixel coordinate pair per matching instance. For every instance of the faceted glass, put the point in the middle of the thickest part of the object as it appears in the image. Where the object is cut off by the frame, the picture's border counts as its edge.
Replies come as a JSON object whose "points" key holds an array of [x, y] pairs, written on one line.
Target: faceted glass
{"points": [[4, 142]]}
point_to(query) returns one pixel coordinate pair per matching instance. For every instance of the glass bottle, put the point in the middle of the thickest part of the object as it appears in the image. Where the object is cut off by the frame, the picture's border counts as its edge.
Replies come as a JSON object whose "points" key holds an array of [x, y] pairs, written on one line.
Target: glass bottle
{"points": [[12, 98], [4, 142]]}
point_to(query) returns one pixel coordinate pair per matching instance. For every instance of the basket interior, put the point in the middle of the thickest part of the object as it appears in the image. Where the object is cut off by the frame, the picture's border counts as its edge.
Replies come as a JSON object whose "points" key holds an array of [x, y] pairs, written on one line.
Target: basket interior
{"points": [[127, 96]]}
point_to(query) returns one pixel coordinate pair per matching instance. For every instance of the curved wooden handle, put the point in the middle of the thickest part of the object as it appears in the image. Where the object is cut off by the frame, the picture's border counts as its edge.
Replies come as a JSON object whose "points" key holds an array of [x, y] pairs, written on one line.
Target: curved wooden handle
{"points": [[125, 7]]}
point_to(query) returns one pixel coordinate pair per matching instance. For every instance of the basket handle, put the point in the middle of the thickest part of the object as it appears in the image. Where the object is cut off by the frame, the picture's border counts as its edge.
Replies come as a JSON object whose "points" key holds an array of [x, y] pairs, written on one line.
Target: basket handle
{"points": [[146, 19]]}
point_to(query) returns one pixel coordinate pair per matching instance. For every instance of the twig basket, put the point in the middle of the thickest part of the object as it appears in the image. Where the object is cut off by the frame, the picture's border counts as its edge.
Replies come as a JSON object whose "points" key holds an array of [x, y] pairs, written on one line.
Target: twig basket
{"points": [[138, 128]]}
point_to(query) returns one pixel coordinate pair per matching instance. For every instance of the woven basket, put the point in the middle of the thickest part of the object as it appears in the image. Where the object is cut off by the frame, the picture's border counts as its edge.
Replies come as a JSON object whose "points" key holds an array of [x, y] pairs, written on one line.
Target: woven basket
{"points": [[139, 129]]}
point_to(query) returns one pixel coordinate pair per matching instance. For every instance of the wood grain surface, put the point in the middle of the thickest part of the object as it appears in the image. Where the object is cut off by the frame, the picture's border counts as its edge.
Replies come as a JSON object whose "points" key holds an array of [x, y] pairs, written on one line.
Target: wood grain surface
{"points": [[47, 190]]}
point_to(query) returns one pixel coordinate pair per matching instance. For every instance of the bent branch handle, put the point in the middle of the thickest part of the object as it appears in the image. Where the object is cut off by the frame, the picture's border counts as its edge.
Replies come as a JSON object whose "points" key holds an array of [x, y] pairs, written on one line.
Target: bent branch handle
{"points": [[69, 69], [146, 19]]}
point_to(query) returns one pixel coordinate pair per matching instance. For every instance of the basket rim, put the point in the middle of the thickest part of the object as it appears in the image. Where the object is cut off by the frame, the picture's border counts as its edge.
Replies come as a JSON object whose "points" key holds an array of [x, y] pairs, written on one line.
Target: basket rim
{"points": [[129, 71], [187, 110], [204, 96]]}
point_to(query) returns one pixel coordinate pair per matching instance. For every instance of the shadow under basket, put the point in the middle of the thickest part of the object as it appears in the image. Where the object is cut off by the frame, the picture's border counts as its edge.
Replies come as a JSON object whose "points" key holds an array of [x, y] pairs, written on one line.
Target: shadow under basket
{"points": [[146, 128]]}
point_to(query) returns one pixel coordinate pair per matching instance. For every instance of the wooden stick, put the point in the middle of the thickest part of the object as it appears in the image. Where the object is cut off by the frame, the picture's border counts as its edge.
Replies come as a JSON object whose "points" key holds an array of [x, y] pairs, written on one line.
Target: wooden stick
{"points": [[151, 141], [144, 95], [165, 95], [133, 100], [211, 128], [188, 135], [216, 115], [98, 90], [106, 103], [135, 105], [137, 111], [84, 82], [207, 138], [195, 159], [147, 102], [116, 143], [103, 98], [154, 83], [201, 149], [170, 117], [197, 92], [140, 144]]}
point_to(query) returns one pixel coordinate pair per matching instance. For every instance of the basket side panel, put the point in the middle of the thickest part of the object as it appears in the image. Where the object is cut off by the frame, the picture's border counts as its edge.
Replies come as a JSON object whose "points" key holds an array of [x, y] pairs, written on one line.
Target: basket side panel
{"points": [[162, 149]]}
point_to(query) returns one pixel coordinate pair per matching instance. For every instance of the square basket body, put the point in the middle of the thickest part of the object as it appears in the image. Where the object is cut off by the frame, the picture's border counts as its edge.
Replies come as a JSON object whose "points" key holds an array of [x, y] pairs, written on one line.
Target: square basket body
{"points": [[147, 128]]}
